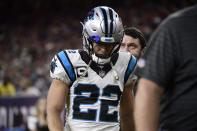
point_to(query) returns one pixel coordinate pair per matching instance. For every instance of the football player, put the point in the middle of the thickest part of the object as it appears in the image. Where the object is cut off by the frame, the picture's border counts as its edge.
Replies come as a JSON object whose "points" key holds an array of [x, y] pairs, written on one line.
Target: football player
{"points": [[94, 84]]}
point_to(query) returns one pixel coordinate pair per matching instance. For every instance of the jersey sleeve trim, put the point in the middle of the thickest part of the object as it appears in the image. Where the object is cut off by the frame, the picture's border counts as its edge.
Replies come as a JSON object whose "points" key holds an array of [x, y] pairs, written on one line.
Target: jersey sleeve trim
{"points": [[67, 65], [130, 68]]}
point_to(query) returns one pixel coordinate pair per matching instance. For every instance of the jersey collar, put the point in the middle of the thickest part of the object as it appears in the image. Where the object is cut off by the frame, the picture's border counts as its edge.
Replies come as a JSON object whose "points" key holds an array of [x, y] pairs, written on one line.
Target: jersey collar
{"points": [[94, 66]]}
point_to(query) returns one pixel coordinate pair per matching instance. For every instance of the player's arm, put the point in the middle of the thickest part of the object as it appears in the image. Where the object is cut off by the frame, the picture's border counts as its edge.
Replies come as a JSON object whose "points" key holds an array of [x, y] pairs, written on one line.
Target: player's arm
{"points": [[147, 104], [56, 99], [126, 108]]}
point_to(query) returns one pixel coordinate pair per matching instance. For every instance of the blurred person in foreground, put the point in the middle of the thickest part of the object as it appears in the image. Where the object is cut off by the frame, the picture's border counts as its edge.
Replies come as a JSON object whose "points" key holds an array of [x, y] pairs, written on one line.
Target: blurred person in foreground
{"points": [[166, 99], [135, 43], [7, 88], [95, 83]]}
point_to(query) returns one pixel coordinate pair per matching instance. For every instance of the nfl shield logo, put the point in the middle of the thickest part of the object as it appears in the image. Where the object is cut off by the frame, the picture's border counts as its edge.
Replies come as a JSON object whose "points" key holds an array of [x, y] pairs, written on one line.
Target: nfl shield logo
{"points": [[102, 73]]}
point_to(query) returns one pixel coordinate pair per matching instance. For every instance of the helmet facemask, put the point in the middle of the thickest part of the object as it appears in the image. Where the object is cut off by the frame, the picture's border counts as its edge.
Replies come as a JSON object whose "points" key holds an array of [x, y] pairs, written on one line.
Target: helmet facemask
{"points": [[102, 25]]}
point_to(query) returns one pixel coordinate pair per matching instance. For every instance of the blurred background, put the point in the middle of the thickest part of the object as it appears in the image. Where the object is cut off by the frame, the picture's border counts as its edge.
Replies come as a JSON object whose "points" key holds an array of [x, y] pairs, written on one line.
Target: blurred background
{"points": [[32, 31]]}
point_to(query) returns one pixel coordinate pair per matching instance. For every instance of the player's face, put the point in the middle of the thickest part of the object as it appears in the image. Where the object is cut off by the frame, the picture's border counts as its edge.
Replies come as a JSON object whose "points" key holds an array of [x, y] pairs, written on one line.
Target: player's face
{"points": [[131, 45], [103, 50]]}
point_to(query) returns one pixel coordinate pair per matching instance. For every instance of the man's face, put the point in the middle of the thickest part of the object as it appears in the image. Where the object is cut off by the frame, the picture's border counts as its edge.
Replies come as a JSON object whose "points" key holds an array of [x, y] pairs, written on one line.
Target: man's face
{"points": [[103, 50], [131, 45]]}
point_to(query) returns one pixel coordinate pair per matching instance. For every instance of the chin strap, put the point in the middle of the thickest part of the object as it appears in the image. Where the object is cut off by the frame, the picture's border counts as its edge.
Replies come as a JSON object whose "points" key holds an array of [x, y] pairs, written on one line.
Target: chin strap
{"points": [[100, 61]]}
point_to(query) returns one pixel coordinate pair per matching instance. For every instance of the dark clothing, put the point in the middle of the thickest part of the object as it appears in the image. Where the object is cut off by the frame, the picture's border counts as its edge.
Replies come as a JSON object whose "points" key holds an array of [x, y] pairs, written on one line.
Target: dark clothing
{"points": [[171, 62]]}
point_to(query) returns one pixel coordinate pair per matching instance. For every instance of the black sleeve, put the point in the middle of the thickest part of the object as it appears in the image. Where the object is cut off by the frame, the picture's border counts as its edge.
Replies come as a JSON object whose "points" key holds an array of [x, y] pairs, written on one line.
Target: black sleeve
{"points": [[159, 58]]}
